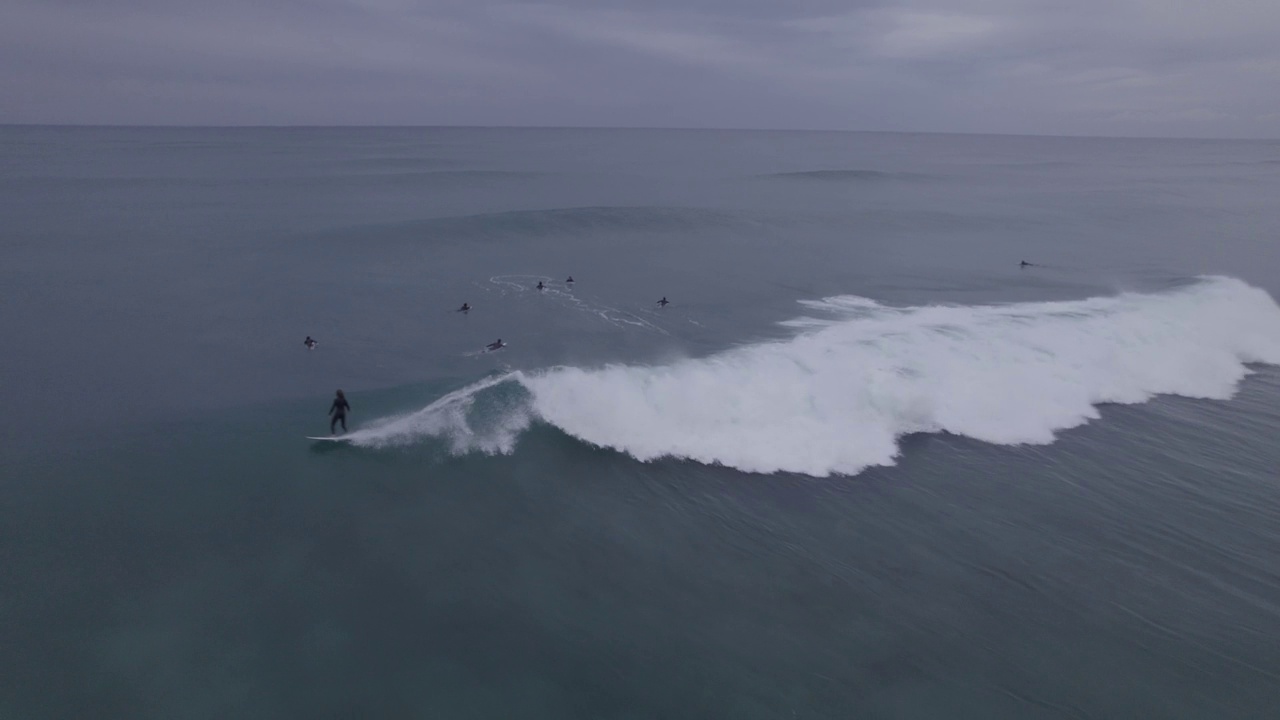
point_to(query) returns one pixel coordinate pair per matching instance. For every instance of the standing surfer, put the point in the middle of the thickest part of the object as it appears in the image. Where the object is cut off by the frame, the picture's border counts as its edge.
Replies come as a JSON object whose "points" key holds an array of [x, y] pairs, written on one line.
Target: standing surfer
{"points": [[339, 410]]}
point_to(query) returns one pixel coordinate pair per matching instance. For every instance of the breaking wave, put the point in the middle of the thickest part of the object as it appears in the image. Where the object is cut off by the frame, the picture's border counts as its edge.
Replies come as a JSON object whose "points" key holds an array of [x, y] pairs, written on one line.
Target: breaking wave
{"points": [[836, 397]]}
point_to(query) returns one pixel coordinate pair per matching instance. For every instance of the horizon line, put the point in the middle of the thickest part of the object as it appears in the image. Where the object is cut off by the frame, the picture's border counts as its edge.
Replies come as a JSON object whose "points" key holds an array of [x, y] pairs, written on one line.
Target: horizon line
{"points": [[671, 128]]}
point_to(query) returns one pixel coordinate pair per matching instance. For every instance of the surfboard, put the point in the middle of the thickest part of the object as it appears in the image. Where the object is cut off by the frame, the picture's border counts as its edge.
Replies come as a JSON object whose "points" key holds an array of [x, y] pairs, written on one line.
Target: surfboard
{"points": [[331, 438]]}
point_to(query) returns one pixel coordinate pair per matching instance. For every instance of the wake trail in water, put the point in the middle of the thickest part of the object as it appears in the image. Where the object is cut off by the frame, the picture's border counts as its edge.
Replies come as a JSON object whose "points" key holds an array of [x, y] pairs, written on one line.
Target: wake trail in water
{"points": [[477, 418], [836, 398], [564, 294]]}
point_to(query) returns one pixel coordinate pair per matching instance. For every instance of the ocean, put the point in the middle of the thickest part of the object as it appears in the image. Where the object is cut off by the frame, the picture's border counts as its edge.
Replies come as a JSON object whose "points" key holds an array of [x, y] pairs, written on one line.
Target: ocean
{"points": [[865, 464]]}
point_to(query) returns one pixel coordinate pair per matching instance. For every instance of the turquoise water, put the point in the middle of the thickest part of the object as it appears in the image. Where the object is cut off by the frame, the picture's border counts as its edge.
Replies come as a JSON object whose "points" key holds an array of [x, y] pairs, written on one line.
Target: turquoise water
{"points": [[864, 465]]}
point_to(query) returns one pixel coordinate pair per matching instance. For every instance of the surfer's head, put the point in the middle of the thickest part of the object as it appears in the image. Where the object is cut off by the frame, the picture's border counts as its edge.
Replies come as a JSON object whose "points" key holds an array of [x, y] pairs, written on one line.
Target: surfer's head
{"points": [[340, 394]]}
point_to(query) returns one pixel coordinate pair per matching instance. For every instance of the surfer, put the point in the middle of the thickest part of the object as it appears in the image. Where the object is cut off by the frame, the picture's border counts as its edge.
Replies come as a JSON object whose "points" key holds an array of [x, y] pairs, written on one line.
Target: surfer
{"points": [[541, 286], [465, 308], [310, 343], [495, 345], [1025, 264], [570, 280], [663, 302], [339, 410]]}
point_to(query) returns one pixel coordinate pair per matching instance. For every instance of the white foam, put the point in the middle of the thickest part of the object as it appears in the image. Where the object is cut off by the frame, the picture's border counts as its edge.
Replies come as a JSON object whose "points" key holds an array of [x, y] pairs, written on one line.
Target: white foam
{"points": [[450, 419], [836, 398]]}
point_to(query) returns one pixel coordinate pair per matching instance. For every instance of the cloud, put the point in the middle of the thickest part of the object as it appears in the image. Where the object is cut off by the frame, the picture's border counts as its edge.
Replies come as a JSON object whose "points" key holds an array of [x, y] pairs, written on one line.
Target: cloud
{"points": [[1028, 66], [906, 33], [1191, 114], [630, 31]]}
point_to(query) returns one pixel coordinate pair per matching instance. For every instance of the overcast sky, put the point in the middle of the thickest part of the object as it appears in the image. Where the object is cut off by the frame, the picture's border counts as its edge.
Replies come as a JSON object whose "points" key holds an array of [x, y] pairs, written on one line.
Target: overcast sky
{"points": [[1097, 67]]}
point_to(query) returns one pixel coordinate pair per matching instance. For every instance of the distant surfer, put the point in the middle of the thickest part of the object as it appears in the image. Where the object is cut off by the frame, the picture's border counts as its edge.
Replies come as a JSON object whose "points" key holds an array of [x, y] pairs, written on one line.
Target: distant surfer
{"points": [[495, 345], [541, 286], [570, 280], [1026, 264], [663, 302], [310, 343], [466, 308], [338, 410]]}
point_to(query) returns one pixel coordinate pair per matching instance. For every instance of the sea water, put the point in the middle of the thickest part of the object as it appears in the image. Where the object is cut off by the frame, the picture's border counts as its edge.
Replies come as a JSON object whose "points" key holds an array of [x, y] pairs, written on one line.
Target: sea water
{"points": [[864, 464]]}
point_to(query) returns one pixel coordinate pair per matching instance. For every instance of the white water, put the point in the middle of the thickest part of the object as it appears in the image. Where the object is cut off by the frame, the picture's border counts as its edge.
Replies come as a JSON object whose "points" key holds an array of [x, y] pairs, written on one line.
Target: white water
{"points": [[450, 419], [835, 398]]}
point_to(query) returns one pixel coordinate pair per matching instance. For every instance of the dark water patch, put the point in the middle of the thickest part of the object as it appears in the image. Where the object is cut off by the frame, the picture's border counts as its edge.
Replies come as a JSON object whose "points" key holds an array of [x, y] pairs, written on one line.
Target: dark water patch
{"points": [[561, 222], [399, 163], [445, 178], [952, 222], [109, 181], [849, 176], [1034, 165]]}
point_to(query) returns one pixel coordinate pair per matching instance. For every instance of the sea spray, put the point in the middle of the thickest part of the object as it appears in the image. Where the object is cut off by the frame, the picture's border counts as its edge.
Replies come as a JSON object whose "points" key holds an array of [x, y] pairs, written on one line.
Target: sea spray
{"points": [[486, 416]]}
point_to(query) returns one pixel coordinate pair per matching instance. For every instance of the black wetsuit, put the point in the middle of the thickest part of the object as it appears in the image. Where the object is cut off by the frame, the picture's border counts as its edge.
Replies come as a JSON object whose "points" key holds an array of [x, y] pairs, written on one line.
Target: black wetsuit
{"points": [[338, 410]]}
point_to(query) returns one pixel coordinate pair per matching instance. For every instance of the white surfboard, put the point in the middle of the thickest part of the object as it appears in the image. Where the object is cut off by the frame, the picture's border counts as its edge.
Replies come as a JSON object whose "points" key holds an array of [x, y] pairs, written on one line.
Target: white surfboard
{"points": [[331, 438]]}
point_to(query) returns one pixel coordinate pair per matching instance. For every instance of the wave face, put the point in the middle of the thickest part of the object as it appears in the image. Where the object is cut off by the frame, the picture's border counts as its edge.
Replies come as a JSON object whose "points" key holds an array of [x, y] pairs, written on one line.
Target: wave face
{"points": [[836, 398]]}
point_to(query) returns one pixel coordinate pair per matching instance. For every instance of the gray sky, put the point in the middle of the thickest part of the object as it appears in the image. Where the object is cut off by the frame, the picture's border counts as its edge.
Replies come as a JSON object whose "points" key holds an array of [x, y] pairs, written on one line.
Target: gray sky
{"points": [[1096, 67]]}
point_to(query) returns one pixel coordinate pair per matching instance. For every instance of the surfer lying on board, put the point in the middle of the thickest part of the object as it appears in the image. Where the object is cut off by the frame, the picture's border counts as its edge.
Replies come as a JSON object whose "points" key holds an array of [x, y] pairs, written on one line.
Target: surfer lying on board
{"points": [[495, 345], [663, 302], [465, 308], [339, 410]]}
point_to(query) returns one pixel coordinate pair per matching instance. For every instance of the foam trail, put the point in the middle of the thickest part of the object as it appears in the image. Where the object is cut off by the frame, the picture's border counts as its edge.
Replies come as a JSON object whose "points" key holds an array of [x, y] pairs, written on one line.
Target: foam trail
{"points": [[494, 429], [564, 293], [835, 399]]}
